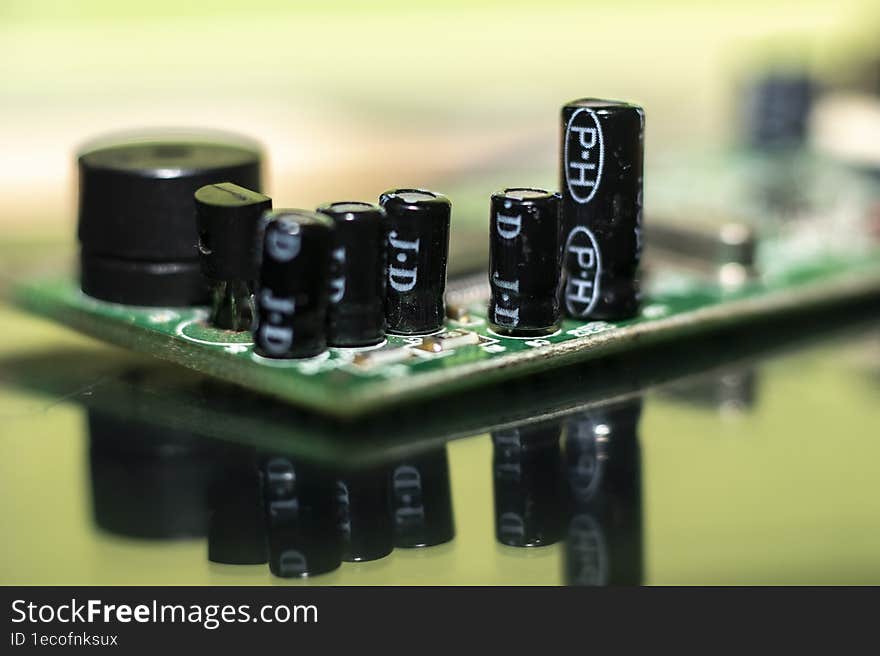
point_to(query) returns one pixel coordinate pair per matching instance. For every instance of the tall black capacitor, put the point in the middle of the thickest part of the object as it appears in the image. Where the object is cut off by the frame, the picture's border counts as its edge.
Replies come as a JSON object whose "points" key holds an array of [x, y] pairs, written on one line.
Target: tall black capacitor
{"points": [[417, 247], [292, 294], [602, 152], [524, 246], [356, 315]]}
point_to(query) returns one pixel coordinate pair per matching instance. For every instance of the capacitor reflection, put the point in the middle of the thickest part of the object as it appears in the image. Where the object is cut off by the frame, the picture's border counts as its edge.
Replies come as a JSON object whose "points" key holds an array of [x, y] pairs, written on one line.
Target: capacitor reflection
{"points": [[575, 480], [318, 517], [302, 518]]}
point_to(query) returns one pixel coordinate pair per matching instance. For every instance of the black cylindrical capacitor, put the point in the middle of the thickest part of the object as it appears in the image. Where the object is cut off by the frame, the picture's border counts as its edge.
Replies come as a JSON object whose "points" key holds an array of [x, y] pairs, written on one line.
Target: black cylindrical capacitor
{"points": [[417, 247], [524, 247], [291, 299], [421, 500], [228, 217], [356, 314], [601, 159], [137, 221]]}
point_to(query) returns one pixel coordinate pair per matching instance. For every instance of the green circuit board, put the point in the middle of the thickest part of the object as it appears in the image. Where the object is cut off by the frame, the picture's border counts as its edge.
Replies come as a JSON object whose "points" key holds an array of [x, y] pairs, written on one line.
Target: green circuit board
{"points": [[466, 354], [813, 248]]}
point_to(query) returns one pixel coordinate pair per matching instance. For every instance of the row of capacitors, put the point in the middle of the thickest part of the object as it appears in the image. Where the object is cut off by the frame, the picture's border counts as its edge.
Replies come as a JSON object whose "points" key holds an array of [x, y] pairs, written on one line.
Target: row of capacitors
{"points": [[345, 274], [177, 220], [340, 276], [575, 252], [169, 220]]}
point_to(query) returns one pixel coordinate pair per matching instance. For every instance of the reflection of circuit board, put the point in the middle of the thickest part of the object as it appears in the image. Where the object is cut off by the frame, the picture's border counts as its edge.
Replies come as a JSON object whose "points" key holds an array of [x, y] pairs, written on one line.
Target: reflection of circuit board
{"points": [[350, 382]]}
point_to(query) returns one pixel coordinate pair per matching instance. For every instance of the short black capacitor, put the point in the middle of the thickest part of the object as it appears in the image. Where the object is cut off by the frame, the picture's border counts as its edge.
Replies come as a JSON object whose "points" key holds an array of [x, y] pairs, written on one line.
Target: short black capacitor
{"points": [[601, 166], [292, 292], [524, 248], [137, 221], [417, 247], [356, 314]]}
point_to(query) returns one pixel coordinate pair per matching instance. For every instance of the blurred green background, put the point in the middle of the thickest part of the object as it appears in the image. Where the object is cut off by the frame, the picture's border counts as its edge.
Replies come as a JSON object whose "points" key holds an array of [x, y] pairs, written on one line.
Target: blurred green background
{"points": [[351, 98]]}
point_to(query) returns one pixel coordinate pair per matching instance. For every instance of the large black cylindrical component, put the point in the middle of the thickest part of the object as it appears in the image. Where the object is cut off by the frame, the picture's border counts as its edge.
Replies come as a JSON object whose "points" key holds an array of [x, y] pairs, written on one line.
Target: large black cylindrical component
{"points": [[149, 481], [174, 283], [356, 314], [137, 220], [417, 247], [292, 293], [601, 164], [524, 246]]}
